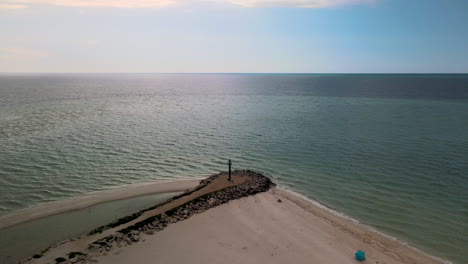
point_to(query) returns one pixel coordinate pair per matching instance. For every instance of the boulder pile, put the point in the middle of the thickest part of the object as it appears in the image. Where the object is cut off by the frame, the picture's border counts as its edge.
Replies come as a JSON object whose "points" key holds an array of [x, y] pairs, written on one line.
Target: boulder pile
{"points": [[255, 183]]}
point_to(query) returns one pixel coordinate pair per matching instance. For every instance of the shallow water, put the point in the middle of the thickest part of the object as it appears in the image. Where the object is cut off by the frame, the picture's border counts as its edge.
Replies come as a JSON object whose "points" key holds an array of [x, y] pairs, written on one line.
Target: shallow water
{"points": [[388, 150], [22, 241]]}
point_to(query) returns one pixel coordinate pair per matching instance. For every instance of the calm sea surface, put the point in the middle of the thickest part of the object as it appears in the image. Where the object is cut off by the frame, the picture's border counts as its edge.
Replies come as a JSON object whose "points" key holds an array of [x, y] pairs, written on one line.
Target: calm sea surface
{"points": [[388, 150]]}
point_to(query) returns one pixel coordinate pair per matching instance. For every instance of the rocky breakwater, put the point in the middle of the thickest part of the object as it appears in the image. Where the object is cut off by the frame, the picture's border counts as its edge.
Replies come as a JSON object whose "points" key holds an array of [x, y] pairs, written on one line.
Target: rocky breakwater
{"points": [[255, 183]]}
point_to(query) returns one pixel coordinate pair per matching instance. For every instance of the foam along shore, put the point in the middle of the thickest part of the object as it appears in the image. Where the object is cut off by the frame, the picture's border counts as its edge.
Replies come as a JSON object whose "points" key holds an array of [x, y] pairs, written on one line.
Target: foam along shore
{"points": [[87, 200], [244, 221]]}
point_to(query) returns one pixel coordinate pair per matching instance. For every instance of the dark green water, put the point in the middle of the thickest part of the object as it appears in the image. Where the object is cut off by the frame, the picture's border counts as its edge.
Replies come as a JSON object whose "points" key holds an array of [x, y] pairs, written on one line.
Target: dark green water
{"points": [[388, 150]]}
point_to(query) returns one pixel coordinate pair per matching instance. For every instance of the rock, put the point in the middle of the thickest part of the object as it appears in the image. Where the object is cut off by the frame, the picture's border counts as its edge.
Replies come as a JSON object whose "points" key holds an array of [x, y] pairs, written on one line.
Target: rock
{"points": [[74, 260], [135, 238], [279, 201], [211, 201], [128, 240]]}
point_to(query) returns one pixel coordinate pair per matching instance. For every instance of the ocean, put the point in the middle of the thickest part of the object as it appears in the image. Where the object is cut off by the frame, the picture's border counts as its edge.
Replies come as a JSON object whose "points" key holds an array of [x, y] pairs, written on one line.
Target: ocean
{"points": [[390, 151]]}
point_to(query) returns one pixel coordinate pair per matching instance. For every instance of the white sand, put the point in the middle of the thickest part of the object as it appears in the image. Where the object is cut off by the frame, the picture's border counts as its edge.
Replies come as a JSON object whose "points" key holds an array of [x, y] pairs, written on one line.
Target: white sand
{"points": [[91, 199], [259, 229], [80, 244]]}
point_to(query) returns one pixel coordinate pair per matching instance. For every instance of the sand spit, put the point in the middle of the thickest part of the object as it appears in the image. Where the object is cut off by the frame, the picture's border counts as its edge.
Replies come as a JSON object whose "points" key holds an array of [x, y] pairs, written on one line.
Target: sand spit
{"points": [[91, 199], [211, 192], [248, 221], [269, 227]]}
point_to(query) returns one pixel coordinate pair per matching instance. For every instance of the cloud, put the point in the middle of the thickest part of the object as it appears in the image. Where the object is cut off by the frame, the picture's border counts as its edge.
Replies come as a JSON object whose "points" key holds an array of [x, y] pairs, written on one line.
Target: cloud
{"points": [[12, 6], [100, 3], [23, 52], [163, 3], [298, 3]]}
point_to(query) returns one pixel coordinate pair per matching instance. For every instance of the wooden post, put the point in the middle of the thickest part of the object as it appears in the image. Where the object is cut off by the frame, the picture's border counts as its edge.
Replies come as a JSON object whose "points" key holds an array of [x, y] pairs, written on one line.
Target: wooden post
{"points": [[229, 163]]}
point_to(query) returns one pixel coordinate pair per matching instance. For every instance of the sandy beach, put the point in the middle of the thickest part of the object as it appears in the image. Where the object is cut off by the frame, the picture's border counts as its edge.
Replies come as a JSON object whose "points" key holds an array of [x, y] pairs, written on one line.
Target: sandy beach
{"points": [[259, 229], [271, 225]]}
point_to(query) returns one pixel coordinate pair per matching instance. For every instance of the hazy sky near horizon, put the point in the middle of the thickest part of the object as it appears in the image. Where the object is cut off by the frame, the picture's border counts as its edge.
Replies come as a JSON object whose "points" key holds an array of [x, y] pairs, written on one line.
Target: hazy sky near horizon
{"points": [[315, 36]]}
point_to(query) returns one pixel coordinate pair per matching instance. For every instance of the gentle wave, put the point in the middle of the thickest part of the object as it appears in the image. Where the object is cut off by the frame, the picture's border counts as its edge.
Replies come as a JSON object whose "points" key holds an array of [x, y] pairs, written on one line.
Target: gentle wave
{"points": [[394, 161]]}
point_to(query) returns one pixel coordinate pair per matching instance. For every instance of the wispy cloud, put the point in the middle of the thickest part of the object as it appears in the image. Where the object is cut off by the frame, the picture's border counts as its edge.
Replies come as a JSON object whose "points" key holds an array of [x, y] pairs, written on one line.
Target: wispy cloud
{"points": [[298, 3], [23, 52], [99, 3], [163, 3], [12, 6]]}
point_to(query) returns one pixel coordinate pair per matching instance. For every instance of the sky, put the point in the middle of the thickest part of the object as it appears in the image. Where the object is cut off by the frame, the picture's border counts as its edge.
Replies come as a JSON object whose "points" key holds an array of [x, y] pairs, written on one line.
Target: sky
{"points": [[234, 36]]}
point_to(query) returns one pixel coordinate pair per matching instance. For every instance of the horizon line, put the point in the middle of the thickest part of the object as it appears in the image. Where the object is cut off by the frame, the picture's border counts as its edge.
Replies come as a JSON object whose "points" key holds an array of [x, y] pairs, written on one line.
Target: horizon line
{"points": [[253, 73]]}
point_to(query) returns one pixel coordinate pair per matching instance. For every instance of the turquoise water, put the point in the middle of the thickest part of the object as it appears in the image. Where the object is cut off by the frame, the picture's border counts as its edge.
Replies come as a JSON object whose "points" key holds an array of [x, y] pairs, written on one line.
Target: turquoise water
{"points": [[388, 150]]}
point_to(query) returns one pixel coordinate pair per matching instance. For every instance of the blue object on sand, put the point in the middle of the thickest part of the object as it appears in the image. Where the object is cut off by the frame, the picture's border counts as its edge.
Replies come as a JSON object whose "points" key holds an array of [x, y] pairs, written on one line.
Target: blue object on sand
{"points": [[360, 255]]}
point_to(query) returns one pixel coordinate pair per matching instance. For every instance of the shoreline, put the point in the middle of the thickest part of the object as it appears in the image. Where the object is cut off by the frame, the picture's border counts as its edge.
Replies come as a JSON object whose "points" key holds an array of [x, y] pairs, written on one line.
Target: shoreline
{"points": [[304, 202], [94, 198], [269, 227], [358, 223], [35, 236], [161, 215]]}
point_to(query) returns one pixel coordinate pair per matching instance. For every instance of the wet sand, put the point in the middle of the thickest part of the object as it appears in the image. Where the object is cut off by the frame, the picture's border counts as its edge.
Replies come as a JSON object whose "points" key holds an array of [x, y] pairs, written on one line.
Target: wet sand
{"points": [[91, 199]]}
